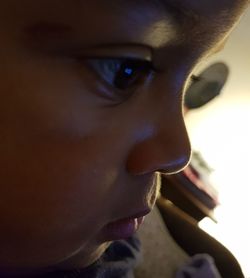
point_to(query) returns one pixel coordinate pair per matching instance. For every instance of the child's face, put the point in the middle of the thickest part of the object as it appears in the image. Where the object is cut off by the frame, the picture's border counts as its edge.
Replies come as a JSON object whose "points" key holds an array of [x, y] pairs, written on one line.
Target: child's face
{"points": [[81, 138]]}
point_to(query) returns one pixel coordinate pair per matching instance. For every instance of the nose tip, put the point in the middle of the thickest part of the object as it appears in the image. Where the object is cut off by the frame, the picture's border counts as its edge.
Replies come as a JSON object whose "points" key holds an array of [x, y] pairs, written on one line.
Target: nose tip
{"points": [[154, 154], [175, 166]]}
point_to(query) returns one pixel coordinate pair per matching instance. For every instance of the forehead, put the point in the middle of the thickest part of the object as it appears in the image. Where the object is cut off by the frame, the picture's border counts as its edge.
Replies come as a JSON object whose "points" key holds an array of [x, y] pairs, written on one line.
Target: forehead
{"points": [[178, 9], [153, 22], [171, 8]]}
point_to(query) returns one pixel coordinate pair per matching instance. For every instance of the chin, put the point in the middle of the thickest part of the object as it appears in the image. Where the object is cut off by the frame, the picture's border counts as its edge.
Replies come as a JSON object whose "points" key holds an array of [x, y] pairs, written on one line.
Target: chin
{"points": [[83, 258], [80, 260]]}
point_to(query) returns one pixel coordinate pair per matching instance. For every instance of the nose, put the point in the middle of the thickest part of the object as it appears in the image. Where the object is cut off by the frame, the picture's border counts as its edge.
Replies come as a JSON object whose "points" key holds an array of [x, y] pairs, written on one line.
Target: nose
{"points": [[165, 149]]}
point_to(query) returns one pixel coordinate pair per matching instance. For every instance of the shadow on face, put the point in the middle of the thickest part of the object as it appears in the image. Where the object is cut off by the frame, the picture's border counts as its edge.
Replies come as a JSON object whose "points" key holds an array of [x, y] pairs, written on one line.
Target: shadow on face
{"points": [[91, 109]]}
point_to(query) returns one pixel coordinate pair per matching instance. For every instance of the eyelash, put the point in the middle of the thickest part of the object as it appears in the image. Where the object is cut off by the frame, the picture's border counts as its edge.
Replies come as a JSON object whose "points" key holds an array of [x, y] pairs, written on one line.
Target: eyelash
{"points": [[122, 75]]}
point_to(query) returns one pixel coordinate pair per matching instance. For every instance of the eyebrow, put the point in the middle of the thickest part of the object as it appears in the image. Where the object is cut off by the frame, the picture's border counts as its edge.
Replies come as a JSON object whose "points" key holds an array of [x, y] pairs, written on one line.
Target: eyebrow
{"points": [[173, 8]]}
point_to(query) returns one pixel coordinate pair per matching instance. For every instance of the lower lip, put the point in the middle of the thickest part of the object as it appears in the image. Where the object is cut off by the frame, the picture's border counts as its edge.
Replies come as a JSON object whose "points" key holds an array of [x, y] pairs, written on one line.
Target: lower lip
{"points": [[122, 229]]}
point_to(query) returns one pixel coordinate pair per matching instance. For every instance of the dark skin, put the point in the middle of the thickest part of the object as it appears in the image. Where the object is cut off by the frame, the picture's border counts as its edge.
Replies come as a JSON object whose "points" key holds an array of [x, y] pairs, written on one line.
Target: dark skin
{"points": [[79, 151]]}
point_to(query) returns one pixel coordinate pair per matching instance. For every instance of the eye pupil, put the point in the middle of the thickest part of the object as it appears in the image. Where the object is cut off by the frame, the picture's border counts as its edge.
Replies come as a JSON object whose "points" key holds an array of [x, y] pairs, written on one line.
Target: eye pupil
{"points": [[126, 76], [128, 71]]}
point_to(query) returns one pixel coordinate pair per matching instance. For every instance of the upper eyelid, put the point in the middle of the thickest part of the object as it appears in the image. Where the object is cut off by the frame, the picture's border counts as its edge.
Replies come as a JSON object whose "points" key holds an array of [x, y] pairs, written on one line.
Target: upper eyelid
{"points": [[116, 52], [108, 51]]}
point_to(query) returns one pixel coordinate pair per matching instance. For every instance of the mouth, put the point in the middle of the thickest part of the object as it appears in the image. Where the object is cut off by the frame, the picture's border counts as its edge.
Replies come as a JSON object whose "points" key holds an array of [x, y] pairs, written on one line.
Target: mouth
{"points": [[124, 228]]}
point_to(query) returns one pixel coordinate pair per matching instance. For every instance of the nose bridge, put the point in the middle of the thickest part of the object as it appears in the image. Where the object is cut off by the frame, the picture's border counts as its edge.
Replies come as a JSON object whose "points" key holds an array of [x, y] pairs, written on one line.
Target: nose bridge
{"points": [[167, 147], [172, 142]]}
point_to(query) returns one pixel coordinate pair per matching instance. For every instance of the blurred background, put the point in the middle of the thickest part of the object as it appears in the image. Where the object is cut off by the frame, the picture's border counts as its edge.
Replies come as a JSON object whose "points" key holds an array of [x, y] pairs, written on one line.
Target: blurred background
{"points": [[220, 132]]}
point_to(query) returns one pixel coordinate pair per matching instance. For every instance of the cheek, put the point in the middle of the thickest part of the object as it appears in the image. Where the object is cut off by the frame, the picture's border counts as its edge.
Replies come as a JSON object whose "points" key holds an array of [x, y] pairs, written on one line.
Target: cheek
{"points": [[54, 163], [47, 97], [57, 171], [63, 177], [54, 201]]}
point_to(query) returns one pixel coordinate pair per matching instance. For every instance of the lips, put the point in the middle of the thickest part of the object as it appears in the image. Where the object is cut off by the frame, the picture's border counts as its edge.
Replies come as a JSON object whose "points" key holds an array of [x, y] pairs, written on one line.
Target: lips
{"points": [[124, 228]]}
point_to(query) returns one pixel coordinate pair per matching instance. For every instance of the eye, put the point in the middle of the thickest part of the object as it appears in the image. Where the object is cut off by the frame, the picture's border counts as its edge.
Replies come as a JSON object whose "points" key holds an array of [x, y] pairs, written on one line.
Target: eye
{"points": [[122, 74]]}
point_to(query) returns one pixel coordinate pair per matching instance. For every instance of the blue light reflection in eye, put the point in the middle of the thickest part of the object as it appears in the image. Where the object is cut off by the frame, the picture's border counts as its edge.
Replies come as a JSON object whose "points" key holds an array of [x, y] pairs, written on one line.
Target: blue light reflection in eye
{"points": [[128, 71]]}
